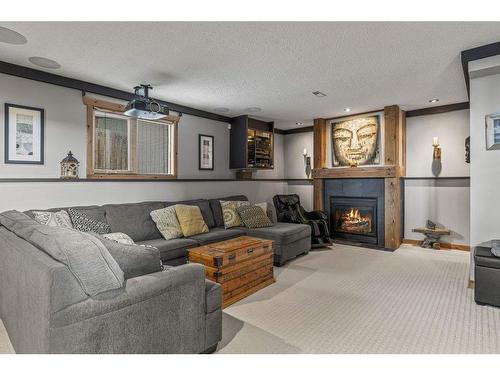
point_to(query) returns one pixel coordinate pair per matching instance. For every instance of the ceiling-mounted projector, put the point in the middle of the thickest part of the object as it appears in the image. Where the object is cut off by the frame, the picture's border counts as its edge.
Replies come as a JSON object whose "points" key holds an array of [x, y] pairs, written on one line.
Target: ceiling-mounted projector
{"points": [[143, 107]]}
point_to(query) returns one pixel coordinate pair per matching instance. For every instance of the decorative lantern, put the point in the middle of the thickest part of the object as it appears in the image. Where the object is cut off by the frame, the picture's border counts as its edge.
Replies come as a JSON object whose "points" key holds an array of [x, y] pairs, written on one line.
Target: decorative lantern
{"points": [[69, 166]]}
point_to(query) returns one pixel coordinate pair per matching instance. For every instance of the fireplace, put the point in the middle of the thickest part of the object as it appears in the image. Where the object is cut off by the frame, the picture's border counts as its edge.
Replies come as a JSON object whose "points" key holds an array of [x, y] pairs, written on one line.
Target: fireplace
{"points": [[354, 219], [356, 209]]}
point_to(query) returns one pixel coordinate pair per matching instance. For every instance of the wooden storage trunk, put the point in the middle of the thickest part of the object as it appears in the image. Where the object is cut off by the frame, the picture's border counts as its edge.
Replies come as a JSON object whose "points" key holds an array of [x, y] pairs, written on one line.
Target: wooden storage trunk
{"points": [[241, 265]]}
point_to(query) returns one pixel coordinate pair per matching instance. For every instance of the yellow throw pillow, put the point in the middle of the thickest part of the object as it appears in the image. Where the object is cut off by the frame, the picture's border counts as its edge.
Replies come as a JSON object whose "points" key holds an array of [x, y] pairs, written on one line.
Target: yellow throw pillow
{"points": [[190, 219]]}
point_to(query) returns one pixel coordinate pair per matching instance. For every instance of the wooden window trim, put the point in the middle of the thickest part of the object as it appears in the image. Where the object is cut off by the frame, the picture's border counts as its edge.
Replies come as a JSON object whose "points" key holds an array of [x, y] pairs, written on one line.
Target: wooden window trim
{"points": [[105, 106]]}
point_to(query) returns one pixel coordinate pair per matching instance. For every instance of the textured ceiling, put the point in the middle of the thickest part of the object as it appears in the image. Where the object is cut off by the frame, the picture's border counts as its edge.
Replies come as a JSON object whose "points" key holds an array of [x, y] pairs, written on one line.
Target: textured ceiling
{"points": [[273, 65]]}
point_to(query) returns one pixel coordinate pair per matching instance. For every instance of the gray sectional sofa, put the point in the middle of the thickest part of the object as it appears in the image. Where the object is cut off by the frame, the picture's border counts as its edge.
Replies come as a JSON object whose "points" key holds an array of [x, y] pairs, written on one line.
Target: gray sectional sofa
{"points": [[45, 310]]}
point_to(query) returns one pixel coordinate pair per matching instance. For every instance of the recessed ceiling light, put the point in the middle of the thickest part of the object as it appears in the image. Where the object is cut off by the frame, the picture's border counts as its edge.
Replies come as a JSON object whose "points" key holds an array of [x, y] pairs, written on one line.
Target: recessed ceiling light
{"points": [[11, 37], [253, 109], [299, 123], [435, 100], [221, 109], [43, 62], [347, 109], [319, 94]]}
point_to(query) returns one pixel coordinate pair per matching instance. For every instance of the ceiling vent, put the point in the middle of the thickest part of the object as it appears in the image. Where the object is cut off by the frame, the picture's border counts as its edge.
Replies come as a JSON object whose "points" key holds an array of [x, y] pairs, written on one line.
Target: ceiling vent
{"points": [[143, 107]]}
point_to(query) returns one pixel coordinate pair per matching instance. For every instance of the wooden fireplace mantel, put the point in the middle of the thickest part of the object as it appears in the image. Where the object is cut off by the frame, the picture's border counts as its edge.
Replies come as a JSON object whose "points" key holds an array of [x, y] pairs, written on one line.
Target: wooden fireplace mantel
{"points": [[356, 172], [394, 160]]}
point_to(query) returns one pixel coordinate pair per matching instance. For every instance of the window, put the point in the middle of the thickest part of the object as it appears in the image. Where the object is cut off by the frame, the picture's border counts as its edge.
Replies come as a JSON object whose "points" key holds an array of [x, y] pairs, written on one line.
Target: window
{"points": [[125, 147]]}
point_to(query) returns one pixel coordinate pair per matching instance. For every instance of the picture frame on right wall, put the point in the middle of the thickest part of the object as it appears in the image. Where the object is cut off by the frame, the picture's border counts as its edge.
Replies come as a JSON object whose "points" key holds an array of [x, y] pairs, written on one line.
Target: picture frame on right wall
{"points": [[492, 129]]}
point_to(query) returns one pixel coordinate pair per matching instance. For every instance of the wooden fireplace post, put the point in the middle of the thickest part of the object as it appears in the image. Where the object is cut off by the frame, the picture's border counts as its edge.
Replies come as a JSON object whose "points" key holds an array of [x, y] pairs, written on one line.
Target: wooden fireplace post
{"points": [[319, 151]]}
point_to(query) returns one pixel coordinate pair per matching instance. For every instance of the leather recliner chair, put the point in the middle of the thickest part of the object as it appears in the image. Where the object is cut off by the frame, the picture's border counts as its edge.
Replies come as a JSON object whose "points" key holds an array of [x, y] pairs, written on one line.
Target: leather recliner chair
{"points": [[289, 210]]}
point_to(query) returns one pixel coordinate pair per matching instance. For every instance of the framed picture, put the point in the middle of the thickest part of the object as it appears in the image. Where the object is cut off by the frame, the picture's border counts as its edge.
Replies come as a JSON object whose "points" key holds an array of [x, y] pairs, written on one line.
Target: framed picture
{"points": [[355, 141], [24, 134], [493, 131], [206, 152]]}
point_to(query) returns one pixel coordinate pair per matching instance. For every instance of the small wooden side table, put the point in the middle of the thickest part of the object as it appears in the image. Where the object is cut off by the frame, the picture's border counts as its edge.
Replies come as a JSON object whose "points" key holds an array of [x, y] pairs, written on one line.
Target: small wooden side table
{"points": [[432, 236]]}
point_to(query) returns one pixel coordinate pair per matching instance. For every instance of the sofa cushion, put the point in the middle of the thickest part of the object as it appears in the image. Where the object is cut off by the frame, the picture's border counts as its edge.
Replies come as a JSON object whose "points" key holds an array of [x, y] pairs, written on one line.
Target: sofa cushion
{"points": [[53, 219], [483, 257], [86, 257], [84, 223], [204, 206], [134, 219], [217, 209], [282, 233], [254, 216], [134, 260], [217, 234], [167, 223], [190, 219], [171, 249]]}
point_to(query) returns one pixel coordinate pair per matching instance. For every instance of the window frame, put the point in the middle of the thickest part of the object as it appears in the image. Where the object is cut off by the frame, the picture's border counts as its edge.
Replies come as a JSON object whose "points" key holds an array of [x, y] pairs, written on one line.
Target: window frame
{"points": [[96, 105]]}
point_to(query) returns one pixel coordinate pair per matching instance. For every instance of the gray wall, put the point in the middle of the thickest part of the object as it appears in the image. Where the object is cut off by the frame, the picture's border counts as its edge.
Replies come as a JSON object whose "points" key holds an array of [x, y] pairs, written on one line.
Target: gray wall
{"points": [[445, 202], [65, 129], [485, 165]]}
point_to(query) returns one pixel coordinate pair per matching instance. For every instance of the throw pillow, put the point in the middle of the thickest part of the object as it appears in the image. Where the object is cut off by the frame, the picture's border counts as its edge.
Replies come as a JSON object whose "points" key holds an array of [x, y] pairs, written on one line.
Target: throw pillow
{"points": [[230, 214], [53, 219], [119, 237], [495, 248], [167, 222], [85, 223], [267, 209], [254, 217], [190, 220]]}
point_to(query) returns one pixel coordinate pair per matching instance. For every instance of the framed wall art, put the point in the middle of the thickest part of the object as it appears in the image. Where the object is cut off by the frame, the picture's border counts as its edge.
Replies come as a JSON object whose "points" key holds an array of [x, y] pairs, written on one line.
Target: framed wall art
{"points": [[356, 141], [24, 134], [206, 152], [493, 131]]}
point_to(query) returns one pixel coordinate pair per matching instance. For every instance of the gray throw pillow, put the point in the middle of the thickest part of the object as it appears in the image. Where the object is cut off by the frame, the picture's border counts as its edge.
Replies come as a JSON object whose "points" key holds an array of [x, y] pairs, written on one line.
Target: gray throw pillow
{"points": [[85, 256], [254, 217], [85, 223], [134, 260]]}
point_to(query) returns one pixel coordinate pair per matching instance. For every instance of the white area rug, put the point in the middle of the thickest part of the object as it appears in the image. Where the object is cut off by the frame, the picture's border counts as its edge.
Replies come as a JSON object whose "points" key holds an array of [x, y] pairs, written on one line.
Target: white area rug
{"points": [[354, 300]]}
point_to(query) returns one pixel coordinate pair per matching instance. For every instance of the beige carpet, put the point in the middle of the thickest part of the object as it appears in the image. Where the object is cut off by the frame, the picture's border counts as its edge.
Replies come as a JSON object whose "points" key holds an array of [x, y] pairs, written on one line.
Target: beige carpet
{"points": [[353, 300]]}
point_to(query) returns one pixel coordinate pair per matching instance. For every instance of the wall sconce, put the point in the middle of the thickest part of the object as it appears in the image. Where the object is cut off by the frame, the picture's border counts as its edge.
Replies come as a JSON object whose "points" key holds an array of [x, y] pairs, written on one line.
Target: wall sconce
{"points": [[437, 149], [307, 163]]}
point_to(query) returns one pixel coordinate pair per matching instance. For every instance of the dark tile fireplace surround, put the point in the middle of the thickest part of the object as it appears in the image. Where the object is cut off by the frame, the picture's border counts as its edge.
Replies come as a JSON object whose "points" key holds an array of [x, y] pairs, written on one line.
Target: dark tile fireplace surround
{"points": [[355, 209]]}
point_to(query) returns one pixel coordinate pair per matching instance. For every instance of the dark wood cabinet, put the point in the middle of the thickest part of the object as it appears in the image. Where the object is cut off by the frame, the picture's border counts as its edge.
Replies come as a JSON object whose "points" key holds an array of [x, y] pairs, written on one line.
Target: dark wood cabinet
{"points": [[251, 144]]}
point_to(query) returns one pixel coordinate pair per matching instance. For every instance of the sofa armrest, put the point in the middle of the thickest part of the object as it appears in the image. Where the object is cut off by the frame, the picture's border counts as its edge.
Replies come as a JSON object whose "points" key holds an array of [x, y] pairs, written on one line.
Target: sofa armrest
{"points": [[213, 296], [316, 215], [135, 291]]}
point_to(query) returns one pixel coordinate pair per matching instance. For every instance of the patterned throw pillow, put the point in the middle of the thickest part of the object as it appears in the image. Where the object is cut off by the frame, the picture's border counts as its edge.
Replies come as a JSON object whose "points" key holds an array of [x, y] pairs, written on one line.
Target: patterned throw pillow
{"points": [[254, 217], [53, 219], [167, 223], [84, 223], [190, 220], [119, 237], [230, 213]]}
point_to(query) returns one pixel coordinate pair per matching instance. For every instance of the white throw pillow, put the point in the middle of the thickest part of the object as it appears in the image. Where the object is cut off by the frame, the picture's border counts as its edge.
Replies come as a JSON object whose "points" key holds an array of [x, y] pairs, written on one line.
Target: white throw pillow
{"points": [[119, 237], [167, 222], [53, 219]]}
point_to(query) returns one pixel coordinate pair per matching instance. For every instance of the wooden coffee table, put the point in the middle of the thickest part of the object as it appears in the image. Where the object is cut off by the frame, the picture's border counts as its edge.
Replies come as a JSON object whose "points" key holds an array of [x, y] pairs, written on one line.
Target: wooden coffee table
{"points": [[241, 265]]}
